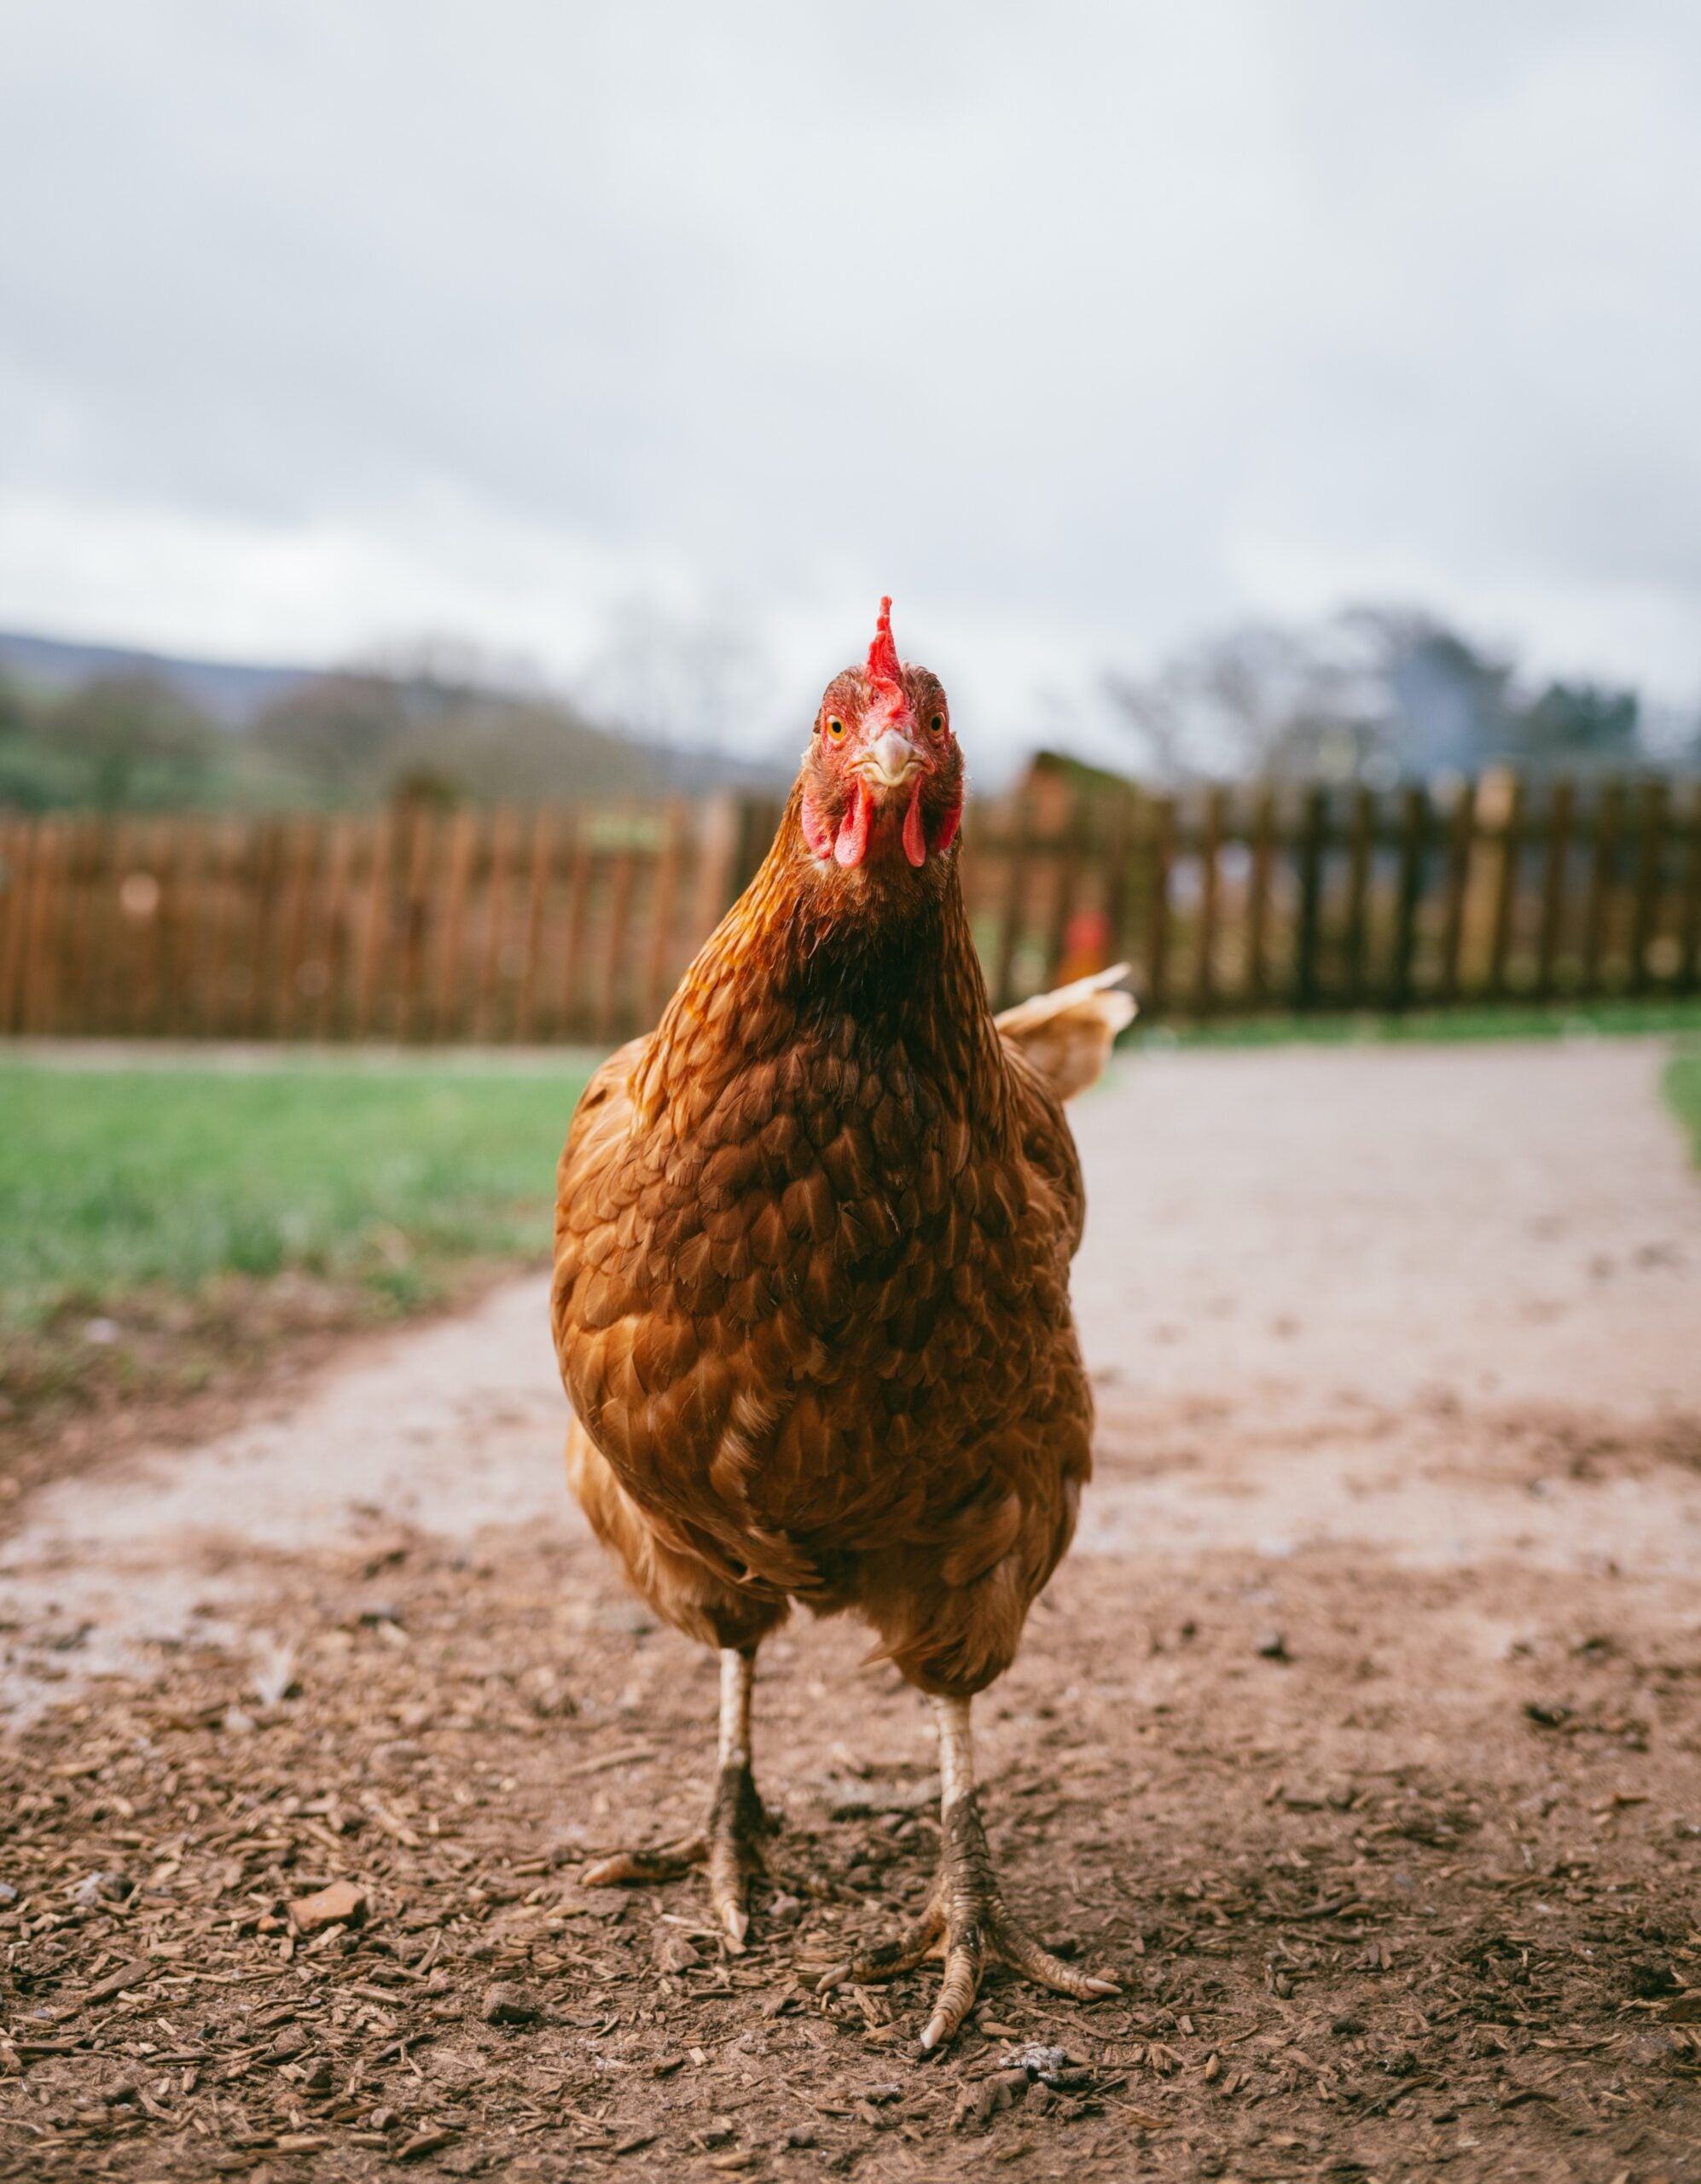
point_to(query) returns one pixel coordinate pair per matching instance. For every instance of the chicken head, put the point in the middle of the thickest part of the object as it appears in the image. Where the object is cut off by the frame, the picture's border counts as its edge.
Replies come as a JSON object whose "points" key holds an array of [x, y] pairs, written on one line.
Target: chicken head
{"points": [[883, 776]]}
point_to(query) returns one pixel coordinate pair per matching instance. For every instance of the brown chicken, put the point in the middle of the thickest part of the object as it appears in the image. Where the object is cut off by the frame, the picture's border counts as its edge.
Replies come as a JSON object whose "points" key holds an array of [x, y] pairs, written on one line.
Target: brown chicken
{"points": [[811, 1291]]}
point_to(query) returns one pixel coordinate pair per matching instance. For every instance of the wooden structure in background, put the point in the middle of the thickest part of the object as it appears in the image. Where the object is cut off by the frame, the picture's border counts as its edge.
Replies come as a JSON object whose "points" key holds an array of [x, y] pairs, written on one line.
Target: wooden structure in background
{"points": [[574, 923]]}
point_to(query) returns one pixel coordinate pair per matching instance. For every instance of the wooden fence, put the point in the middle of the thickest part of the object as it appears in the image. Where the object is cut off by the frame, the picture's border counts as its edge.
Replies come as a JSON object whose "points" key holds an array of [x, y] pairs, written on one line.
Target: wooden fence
{"points": [[574, 923]]}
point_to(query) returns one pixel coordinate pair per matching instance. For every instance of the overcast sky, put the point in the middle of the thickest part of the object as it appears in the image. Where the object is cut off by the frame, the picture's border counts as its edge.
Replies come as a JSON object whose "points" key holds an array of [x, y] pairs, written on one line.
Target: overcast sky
{"points": [[1080, 328]]}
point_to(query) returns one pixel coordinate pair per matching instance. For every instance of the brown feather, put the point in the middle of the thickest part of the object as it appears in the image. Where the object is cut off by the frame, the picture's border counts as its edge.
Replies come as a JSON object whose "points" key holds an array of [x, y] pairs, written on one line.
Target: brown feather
{"points": [[811, 1280]]}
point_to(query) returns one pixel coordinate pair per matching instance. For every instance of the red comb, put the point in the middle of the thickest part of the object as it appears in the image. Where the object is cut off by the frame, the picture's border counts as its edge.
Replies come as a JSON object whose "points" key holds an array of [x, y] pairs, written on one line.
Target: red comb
{"points": [[884, 665]]}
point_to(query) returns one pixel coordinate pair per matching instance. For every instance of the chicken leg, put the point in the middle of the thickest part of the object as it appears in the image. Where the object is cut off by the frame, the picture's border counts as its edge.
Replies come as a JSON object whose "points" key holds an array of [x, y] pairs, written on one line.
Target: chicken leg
{"points": [[730, 1844], [966, 1920]]}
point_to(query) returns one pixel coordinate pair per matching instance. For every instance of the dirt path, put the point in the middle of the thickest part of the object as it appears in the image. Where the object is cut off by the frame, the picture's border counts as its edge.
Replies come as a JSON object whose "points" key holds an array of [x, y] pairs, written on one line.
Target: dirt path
{"points": [[1361, 1735]]}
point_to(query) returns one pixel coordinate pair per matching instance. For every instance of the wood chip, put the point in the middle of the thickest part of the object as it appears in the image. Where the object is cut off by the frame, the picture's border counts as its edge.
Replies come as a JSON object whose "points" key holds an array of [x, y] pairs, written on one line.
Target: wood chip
{"points": [[672, 1951], [508, 2003], [127, 1975], [341, 1904], [629, 1756]]}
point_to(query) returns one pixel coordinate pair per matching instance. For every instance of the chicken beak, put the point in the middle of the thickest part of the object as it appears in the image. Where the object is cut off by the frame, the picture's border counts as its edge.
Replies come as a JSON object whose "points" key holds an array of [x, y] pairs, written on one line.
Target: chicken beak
{"points": [[890, 759]]}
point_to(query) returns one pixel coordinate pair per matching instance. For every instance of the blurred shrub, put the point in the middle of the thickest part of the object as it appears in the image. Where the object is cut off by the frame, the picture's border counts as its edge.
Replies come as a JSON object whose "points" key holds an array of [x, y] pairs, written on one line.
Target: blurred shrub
{"points": [[122, 743]]}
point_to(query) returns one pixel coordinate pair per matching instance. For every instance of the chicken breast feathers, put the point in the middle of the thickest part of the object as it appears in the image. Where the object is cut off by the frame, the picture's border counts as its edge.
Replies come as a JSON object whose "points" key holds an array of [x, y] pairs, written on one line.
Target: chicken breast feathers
{"points": [[811, 1304]]}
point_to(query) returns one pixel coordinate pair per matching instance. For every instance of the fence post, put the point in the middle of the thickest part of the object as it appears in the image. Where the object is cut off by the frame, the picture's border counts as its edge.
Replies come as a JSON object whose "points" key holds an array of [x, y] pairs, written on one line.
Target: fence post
{"points": [[330, 930], [1306, 936], [303, 841], [1609, 812], [503, 830], [1689, 937], [663, 888], [717, 827], [620, 896], [1561, 805], [1358, 884], [1120, 854], [1072, 854], [416, 913], [1015, 907], [1211, 846], [1650, 860], [1258, 895], [1414, 842], [1163, 855], [36, 1012], [463, 841], [1506, 885], [17, 847], [1460, 839], [536, 894], [756, 826], [578, 891]]}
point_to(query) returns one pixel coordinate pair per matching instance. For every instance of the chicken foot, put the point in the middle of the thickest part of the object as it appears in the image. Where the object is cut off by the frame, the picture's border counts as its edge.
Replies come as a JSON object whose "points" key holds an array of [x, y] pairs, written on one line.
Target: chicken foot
{"points": [[730, 1844], [965, 1921]]}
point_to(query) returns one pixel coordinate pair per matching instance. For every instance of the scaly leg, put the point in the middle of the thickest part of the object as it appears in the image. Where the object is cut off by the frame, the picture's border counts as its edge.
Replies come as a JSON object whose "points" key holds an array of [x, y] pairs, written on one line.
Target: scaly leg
{"points": [[966, 1920], [731, 1843]]}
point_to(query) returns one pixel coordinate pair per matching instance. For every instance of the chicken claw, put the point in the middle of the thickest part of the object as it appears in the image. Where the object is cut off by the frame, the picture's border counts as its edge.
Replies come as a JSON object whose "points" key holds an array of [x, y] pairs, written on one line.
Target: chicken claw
{"points": [[730, 1846], [732, 1843], [965, 1921]]}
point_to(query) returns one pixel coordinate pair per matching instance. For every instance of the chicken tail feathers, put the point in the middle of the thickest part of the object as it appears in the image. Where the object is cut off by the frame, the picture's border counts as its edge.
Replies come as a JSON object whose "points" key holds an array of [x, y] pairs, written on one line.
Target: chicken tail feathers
{"points": [[1066, 1035]]}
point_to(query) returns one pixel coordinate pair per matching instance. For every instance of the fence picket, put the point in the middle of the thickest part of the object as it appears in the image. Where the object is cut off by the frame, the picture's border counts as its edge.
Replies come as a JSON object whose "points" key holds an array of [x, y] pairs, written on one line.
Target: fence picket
{"points": [[17, 848], [1355, 941], [613, 949], [1308, 932], [1413, 843], [1460, 840], [578, 891], [503, 829], [1258, 896], [1558, 864], [1161, 862], [40, 937], [1505, 887], [665, 885], [1689, 930], [1014, 911], [463, 843], [1649, 862], [572, 922], [1210, 853], [536, 896], [1608, 819]]}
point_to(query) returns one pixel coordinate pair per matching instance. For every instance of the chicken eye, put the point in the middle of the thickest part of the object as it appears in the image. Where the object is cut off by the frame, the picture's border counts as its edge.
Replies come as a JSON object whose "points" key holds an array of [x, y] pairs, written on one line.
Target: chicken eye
{"points": [[835, 728], [937, 725]]}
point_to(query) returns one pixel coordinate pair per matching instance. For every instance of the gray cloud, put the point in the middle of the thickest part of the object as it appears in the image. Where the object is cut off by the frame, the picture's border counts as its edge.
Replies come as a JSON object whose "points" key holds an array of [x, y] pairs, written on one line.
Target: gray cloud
{"points": [[1079, 329]]}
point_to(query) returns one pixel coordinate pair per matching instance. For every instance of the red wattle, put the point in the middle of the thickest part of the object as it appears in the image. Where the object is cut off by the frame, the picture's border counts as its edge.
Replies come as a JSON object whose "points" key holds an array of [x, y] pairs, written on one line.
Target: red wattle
{"points": [[948, 826], [853, 829], [914, 841]]}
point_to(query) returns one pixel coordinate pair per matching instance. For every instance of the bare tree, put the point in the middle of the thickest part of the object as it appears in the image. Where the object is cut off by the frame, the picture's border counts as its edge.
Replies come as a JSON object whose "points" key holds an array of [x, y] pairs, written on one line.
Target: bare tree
{"points": [[1370, 694], [679, 679]]}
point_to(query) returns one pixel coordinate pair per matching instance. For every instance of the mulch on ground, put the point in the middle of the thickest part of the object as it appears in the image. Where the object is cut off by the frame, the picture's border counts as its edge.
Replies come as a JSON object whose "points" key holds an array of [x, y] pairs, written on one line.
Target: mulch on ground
{"points": [[1385, 1902]]}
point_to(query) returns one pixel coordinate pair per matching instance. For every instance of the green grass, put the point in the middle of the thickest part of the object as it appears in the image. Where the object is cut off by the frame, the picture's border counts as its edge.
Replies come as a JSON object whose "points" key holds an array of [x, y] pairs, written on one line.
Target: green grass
{"points": [[113, 1182], [1683, 1090], [1512, 1020]]}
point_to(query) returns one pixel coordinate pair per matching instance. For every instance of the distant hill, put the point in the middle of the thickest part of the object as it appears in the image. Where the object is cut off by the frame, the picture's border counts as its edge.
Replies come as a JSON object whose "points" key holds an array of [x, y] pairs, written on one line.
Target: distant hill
{"points": [[229, 692], [349, 734]]}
